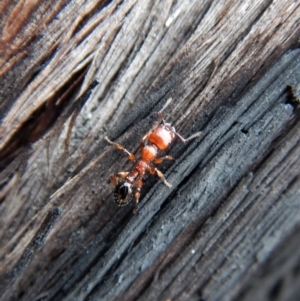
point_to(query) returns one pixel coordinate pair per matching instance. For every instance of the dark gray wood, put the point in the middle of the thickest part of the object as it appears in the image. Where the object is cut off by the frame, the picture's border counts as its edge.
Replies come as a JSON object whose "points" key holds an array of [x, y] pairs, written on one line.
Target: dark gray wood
{"points": [[73, 72]]}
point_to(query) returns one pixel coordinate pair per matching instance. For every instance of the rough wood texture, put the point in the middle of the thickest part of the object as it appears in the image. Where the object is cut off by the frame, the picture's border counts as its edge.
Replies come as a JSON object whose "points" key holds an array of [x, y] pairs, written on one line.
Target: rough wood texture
{"points": [[74, 71]]}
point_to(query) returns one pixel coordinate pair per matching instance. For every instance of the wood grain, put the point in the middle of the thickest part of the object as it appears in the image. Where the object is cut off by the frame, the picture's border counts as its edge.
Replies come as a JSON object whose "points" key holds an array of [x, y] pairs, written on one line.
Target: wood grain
{"points": [[74, 71]]}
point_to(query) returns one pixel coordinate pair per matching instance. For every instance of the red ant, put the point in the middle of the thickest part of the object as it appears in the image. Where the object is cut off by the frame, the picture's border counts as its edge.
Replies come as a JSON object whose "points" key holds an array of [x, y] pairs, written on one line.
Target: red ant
{"points": [[158, 139]]}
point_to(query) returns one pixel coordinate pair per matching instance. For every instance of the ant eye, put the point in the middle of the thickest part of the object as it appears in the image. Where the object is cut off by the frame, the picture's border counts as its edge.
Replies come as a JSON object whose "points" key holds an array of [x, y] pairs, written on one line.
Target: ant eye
{"points": [[122, 193]]}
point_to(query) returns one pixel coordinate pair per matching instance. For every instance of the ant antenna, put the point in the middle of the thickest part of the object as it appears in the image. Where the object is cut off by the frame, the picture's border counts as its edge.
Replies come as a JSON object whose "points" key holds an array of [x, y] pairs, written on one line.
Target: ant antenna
{"points": [[166, 104], [160, 115]]}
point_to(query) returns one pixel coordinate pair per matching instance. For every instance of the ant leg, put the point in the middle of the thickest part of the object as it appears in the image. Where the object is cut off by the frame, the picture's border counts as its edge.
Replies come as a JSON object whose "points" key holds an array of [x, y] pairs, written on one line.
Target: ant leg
{"points": [[189, 138], [149, 132], [154, 170], [121, 175], [147, 136], [139, 184], [120, 147], [159, 160]]}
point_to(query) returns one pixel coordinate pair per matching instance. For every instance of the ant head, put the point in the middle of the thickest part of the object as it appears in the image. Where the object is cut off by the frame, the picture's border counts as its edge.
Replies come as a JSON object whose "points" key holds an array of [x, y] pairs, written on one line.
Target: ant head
{"points": [[169, 127], [123, 193]]}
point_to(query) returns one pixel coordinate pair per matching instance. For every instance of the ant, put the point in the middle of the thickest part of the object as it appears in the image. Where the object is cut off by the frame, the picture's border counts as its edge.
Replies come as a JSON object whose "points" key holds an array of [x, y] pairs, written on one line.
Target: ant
{"points": [[157, 139]]}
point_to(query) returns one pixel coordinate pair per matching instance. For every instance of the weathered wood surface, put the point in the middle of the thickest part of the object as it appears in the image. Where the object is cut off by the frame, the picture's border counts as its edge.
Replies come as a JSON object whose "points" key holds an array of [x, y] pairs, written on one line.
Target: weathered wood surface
{"points": [[74, 71]]}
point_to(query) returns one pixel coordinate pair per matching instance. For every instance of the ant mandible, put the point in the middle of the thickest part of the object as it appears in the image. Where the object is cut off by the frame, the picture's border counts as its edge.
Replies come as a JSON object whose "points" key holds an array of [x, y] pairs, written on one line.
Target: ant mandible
{"points": [[158, 139]]}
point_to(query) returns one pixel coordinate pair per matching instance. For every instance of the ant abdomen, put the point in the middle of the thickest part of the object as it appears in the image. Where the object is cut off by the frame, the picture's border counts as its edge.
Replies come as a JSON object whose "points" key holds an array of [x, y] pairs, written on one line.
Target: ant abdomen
{"points": [[123, 193]]}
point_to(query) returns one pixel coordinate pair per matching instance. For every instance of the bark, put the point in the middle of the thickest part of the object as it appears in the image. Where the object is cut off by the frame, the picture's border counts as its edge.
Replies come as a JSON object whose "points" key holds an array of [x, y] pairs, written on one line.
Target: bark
{"points": [[74, 71]]}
